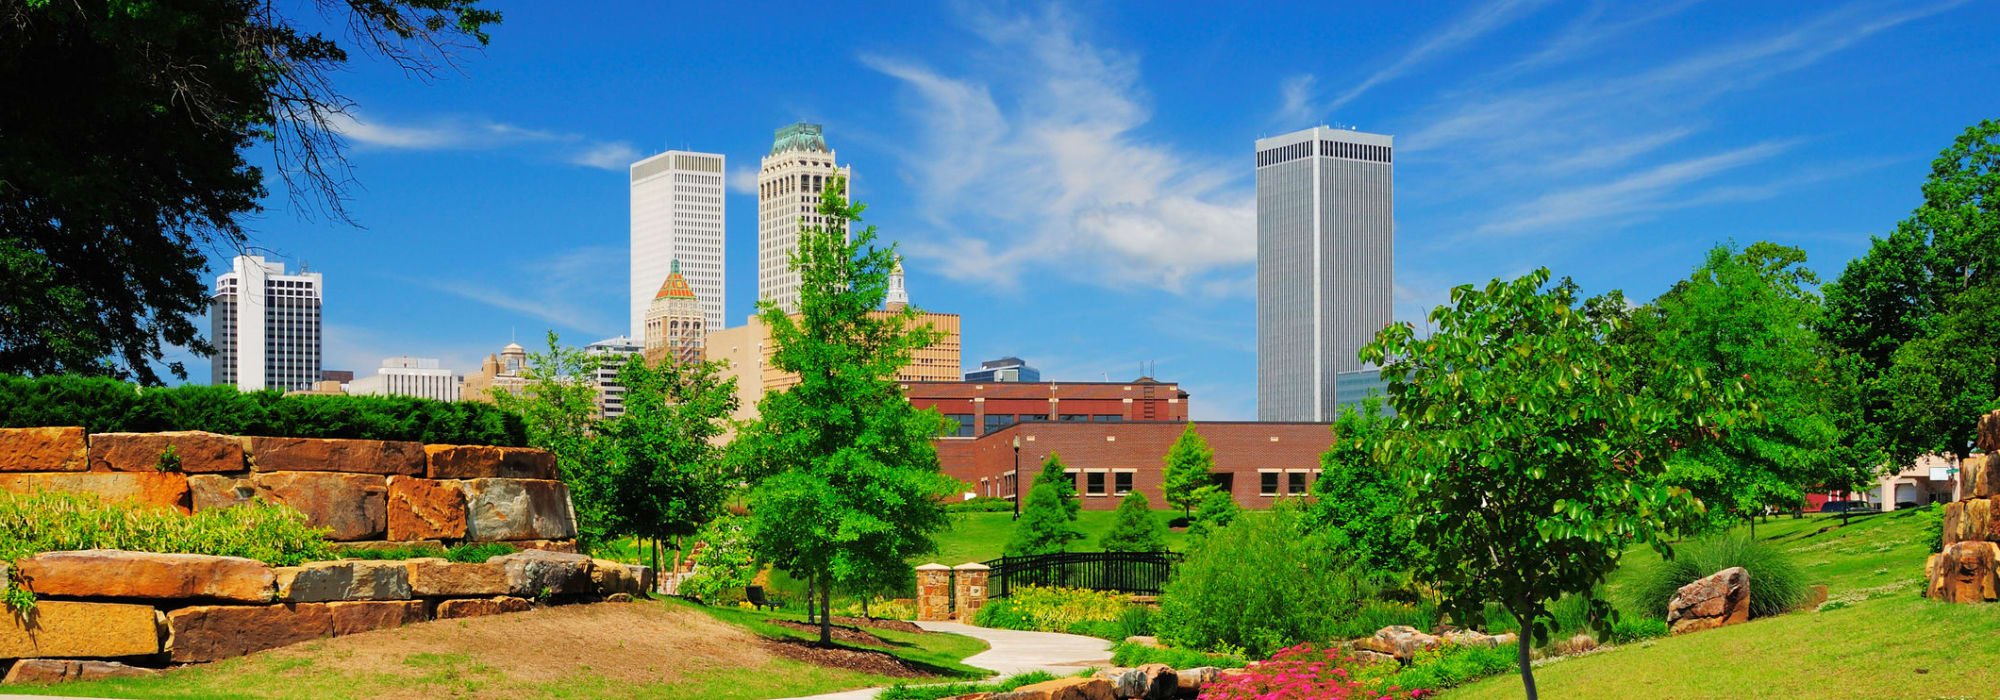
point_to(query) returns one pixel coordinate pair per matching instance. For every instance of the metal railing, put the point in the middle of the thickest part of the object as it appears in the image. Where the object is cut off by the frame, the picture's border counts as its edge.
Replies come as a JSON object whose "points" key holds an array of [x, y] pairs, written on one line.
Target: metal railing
{"points": [[1142, 573]]}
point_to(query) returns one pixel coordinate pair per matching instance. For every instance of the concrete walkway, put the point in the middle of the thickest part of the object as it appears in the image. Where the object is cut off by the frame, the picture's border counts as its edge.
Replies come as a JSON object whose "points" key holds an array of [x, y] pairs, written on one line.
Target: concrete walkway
{"points": [[1013, 652]]}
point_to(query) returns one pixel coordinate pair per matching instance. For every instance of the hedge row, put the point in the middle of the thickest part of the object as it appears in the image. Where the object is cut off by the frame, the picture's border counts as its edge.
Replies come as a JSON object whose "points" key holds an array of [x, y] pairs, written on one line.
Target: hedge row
{"points": [[110, 406]]}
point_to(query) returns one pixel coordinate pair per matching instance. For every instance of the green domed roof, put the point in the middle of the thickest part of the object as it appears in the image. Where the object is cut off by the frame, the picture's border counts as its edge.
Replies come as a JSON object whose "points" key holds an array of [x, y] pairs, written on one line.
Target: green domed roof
{"points": [[799, 137]]}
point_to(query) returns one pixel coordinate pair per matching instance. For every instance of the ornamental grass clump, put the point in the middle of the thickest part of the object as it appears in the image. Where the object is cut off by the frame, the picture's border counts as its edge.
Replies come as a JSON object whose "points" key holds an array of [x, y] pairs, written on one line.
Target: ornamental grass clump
{"points": [[1776, 584], [1305, 672]]}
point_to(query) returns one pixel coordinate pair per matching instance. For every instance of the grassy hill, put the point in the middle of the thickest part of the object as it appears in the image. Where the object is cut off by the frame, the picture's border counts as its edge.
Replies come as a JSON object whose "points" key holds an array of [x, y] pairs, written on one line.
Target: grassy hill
{"points": [[1875, 637]]}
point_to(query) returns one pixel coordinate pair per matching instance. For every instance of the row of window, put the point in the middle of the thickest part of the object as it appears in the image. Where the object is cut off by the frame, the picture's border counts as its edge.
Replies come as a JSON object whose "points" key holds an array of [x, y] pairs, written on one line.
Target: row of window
{"points": [[1330, 149], [965, 424], [1119, 482]]}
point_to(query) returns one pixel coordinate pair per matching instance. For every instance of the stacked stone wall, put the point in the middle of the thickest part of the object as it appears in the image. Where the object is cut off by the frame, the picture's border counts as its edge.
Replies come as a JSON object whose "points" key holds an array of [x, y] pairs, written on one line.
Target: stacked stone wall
{"points": [[1967, 570]]}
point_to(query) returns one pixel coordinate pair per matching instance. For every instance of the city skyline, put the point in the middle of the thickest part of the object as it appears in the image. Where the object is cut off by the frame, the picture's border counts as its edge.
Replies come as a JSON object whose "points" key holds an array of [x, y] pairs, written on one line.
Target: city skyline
{"points": [[678, 225], [1085, 202]]}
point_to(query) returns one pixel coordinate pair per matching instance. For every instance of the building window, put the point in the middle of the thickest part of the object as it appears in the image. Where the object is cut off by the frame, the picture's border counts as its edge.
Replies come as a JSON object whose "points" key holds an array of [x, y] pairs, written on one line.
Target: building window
{"points": [[964, 423], [1107, 418], [1071, 476], [1093, 483], [1295, 483], [1223, 481], [1072, 417], [995, 422], [1267, 483], [1034, 418], [1121, 483]]}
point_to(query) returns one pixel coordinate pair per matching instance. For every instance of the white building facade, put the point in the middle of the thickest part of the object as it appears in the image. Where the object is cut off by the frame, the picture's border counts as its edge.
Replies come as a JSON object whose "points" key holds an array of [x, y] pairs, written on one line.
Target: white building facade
{"points": [[789, 183], [614, 353], [677, 214], [410, 376], [1326, 234], [266, 326]]}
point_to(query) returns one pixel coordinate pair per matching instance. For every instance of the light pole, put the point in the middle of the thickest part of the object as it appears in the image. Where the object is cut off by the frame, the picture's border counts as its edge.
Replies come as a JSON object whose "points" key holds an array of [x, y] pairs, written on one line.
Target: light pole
{"points": [[1017, 476]]}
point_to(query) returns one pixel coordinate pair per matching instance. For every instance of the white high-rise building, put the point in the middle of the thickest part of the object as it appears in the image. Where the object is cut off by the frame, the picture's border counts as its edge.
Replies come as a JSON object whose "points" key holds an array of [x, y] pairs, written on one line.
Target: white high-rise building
{"points": [[266, 326], [788, 186], [1326, 235], [677, 213], [611, 394], [409, 376]]}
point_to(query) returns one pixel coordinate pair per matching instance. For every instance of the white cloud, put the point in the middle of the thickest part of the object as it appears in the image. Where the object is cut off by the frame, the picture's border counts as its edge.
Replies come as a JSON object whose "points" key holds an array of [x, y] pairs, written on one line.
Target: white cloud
{"points": [[613, 155], [465, 133], [566, 290], [743, 180], [1065, 176], [1465, 30], [1644, 191]]}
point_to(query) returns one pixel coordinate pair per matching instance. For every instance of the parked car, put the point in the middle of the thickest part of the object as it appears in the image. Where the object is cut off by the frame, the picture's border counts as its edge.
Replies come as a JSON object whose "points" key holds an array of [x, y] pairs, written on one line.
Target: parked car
{"points": [[1909, 504], [1845, 507]]}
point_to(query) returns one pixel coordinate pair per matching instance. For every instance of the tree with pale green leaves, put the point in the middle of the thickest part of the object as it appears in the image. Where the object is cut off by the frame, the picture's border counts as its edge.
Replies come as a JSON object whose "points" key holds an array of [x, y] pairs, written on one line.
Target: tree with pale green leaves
{"points": [[558, 405], [1189, 463], [1134, 527], [1218, 509], [668, 475], [1536, 459], [1045, 527], [846, 482], [1055, 472]]}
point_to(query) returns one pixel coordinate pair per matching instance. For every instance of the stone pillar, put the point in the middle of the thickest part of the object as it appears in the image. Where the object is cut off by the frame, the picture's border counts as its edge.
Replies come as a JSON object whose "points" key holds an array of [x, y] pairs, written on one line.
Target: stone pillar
{"points": [[971, 589], [934, 592]]}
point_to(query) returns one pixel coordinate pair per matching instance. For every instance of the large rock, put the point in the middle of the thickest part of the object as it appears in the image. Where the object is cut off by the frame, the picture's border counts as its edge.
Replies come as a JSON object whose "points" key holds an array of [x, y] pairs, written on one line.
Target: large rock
{"points": [[111, 573], [1471, 638], [42, 450], [354, 617], [1964, 572], [194, 450], [482, 462], [431, 578], [517, 509], [1976, 477], [350, 506], [534, 572], [161, 489], [1719, 600], [1062, 689], [1972, 519], [1191, 680], [1147, 682], [475, 607], [277, 454], [1989, 432], [351, 579], [1400, 641], [421, 509], [608, 577], [67, 628], [213, 632], [65, 670], [550, 545]]}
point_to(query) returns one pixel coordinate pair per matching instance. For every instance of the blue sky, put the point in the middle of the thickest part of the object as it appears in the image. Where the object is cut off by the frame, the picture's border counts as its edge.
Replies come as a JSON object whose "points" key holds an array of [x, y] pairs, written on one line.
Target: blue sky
{"points": [[1075, 180]]}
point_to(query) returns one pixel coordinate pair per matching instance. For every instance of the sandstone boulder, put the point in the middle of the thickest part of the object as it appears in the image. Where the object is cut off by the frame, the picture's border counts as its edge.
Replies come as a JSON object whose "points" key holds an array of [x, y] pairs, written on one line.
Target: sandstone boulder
{"points": [[1964, 572], [550, 545], [1989, 433], [1147, 682], [1145, 641], [533, 572], [483, 462], [67, 628], [42, 450], [65, 670], [354, 617], [1400, 641], [475, 607], [111, 573], [1062, 689], [351, 506], [162, 489], [517, 509], [1471, 638], [194, 451], [608, 577], [1719, 600], [422, 509], [213, 632], [273, 454], [1192, 679], [350, 579], [1976, 477], [436, 578], [1972, 519]]}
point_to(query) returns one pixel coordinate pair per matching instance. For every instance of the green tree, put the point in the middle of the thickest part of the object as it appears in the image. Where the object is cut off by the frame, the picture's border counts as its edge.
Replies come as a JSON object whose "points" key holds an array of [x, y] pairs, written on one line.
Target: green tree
{"points": [[1939, 384], [558, 405], [126, 123], [1218, 510], [1358, 501], [1189, 463], [1045, 527], [846, 476], [1537, 458], [1133, 528], [1055, 472], [669, 477]]}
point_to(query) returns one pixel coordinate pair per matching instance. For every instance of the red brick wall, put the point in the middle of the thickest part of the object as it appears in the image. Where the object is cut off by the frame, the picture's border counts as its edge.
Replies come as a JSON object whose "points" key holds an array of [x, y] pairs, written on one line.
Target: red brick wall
{"points": [[1241, 450]]}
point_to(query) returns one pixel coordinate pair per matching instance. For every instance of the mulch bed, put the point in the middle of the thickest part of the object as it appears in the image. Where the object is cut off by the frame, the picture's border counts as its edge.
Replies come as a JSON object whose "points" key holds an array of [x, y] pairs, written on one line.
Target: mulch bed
{"points": [[881, 624], [863, 660], [841, 633]]}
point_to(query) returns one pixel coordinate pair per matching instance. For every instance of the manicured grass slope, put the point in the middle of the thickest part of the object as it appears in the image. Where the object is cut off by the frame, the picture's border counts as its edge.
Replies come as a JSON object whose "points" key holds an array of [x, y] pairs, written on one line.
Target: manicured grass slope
{"points": [[1877, 638]]}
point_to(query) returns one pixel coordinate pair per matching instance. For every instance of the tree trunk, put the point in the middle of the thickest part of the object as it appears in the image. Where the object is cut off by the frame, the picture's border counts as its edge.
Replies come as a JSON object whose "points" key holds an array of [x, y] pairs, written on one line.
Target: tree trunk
{"points": [[826, 613], [812, 600], [1526, 633], [864, 608]]}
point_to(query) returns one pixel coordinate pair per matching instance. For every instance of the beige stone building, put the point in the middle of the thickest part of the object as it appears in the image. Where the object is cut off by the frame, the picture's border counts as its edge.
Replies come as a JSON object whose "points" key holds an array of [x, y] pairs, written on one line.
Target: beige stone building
{"points": [[676, 324], [789, 182], [502, 371], [746, 351]]}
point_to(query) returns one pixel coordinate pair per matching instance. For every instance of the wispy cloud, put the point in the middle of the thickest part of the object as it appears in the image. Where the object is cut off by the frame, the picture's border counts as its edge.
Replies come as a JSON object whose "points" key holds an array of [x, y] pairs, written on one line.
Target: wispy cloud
{"points": [[612, 155], [1464, 30], [1067, 178], [1296, 108], [1593, 29], [565, 290], [1640, 192], [743, 180], [465, 133]]}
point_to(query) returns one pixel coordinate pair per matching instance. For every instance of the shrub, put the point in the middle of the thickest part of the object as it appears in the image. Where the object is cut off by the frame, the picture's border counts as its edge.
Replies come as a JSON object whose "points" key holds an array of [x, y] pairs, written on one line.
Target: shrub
{"points": [[1776, 585], [478, 552], [1372, 615], [1050, 609], [1217, 510], [106, 405], [1130, 654], [1447, 667], [981, 504], [421, 551], [1255, 585], [1135, 530], [933, 692], [1304, 672], [1047, 525], [1632, 628], [1931, 535]]}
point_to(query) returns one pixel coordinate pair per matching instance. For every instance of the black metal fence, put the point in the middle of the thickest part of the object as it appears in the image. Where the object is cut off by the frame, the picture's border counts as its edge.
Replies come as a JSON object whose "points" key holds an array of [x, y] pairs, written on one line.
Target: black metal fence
{"points": [[1144, 573]]}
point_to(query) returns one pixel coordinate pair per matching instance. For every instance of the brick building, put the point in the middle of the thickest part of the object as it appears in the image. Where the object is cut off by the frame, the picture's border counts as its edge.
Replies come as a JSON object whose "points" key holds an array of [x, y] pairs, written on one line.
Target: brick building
{"points": [[980, 408], [1258, 462]]}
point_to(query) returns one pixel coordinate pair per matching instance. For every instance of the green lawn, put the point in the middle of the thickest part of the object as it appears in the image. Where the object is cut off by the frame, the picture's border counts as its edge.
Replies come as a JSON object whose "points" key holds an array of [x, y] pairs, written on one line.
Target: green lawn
{"points": [[1876, 638], [976, 537], [659, 649]]}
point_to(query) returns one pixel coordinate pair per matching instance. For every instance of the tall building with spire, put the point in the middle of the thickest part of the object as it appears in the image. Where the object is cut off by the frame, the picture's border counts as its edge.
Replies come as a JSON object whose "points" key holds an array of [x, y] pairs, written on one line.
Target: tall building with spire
{"points": [[677, 216], [789, 183], [675, 323], [898, 297]]}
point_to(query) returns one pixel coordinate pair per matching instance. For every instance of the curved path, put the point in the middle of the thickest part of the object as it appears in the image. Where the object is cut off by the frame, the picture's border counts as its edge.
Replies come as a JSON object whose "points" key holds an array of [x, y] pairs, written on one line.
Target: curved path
{"points": [[1013, 652]]}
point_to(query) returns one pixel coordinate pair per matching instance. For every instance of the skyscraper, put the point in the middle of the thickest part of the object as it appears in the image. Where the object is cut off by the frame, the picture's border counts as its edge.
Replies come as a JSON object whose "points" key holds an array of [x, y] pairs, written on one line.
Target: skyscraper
{"points": [[677, 215], [266, 326], [788, 185], [675, 326], [1325, 264], [409, 376], [614, 353]]}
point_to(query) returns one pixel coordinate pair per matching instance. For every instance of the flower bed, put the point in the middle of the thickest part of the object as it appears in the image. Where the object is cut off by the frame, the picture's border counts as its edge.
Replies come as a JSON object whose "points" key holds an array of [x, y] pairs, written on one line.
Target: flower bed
{"points": [[1303, 672]]}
